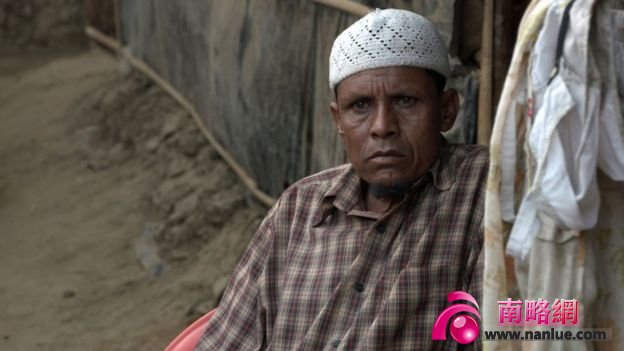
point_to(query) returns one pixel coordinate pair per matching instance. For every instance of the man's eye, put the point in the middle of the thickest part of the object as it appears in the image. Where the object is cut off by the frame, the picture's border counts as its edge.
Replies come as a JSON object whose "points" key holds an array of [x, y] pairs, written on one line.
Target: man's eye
{"points": [[360, 104], [405, 101]]}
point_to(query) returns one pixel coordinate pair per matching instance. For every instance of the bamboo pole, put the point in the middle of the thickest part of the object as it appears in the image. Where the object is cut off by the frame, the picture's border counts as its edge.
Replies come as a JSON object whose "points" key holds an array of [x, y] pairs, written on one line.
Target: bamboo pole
{"points": [[103, 39], [141, 66], [485, 85], [117, 12], [351, 7]]}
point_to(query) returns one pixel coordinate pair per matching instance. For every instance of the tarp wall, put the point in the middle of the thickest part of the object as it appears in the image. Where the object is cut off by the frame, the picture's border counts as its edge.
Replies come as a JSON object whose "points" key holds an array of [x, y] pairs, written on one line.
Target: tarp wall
{"points": [[257, 72]]}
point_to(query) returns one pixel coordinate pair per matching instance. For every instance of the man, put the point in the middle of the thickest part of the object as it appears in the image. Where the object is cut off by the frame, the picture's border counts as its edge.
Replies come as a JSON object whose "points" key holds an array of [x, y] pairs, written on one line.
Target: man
{"points": [[362, 256]]}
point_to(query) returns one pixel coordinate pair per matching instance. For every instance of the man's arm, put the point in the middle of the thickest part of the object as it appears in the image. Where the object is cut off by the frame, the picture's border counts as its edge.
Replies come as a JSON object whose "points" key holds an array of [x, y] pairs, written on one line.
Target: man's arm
{"points": [[476, 258], [475, 288], [239, 322]]}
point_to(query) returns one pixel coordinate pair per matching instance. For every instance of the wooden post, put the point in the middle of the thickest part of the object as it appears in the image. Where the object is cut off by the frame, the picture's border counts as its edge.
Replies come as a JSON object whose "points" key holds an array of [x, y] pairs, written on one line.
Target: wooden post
{"points": [[484, 122], [117, 13]]}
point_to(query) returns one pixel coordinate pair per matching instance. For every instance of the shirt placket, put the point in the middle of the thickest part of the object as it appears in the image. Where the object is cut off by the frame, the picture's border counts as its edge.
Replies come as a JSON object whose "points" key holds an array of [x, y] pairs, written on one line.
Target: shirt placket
{"points": [[367, 266]]}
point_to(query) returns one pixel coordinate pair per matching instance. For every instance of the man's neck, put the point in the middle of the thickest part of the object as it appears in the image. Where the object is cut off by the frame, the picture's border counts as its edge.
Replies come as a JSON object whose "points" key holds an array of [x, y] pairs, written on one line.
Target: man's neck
{"points": [[378, 204], [379, 199]]}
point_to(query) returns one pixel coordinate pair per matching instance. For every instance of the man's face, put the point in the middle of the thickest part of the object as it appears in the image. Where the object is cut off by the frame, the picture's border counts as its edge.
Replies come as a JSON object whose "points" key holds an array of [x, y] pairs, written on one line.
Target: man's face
{"points": [[390, 120]]}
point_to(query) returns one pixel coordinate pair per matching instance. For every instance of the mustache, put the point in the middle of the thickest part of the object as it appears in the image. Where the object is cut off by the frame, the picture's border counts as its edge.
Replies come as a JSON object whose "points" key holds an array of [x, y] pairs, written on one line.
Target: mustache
{"points": [[396, 190]]}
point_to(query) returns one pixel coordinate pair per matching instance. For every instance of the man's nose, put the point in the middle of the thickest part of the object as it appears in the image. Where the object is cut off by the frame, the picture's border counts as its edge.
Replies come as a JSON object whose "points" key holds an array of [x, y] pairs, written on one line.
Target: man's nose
{"points": [[384, 123]]}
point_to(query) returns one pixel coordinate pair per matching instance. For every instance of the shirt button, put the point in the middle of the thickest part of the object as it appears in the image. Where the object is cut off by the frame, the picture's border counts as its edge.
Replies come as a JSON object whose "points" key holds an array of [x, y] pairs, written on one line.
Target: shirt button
{"points": [[381, 228], [359, 287], [335, 343]]}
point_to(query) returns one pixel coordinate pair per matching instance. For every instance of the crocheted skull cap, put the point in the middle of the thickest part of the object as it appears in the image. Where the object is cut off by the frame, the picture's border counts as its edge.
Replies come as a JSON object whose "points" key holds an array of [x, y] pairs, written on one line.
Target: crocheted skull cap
{"points": [[386, 38]]}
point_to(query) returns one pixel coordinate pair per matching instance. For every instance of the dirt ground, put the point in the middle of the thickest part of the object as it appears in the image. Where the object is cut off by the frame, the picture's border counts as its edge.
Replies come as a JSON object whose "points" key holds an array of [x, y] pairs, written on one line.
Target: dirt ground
{"points": [[118, 223]]}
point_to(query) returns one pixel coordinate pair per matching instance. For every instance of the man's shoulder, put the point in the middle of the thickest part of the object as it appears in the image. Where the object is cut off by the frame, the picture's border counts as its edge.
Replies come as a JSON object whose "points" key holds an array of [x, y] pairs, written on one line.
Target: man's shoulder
{"points": [[304, 195], [322, 180], [476, 155], [470, 151]]}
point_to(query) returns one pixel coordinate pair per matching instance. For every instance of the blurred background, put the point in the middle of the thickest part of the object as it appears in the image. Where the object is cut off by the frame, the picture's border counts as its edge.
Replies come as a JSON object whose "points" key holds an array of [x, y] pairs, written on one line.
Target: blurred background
{"points": [[142, 141]]}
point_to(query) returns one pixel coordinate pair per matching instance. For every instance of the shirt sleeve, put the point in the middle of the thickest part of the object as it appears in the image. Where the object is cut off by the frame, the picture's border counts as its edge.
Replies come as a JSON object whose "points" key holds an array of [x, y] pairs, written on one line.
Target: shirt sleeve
{"points": [[239, 322], [475, 288], [476, 259], [475, 284]]}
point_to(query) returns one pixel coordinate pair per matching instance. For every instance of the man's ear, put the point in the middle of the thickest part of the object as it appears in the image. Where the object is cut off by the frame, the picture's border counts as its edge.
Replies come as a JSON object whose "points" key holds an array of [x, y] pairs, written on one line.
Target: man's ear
{"points": [[336, 116], [450, 107]]}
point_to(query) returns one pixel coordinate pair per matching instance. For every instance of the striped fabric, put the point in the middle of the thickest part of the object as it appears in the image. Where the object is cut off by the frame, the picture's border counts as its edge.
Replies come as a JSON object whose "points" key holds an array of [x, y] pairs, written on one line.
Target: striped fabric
{"points": [[322, 274]]}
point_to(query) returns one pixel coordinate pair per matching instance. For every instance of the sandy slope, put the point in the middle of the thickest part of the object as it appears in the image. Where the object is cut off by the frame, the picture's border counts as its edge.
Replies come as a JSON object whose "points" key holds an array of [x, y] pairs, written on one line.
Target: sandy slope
{"points": [[69, 276]]}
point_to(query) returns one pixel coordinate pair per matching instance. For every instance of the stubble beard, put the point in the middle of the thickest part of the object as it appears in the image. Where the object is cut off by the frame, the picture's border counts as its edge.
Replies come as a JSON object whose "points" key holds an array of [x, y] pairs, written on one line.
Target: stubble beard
{"points": [[394, 190]]}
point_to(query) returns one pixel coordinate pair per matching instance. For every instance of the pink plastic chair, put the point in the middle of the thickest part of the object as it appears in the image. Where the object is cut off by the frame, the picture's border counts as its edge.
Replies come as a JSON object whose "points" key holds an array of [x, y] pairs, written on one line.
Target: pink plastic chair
{"points": [[189, 338]]}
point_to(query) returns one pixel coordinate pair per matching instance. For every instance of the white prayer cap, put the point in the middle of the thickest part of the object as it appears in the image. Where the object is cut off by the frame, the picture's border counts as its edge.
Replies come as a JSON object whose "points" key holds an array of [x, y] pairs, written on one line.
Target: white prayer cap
{"points": [[386, 38]]}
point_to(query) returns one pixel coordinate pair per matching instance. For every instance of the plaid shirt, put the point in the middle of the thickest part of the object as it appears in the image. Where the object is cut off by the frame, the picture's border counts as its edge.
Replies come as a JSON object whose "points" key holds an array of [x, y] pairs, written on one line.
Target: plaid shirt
{"points": [[323, 274]]}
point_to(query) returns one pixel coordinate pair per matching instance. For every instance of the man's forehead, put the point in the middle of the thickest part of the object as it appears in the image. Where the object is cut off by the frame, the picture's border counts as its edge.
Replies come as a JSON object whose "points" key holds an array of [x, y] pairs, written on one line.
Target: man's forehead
{"points": [[390, 79]]}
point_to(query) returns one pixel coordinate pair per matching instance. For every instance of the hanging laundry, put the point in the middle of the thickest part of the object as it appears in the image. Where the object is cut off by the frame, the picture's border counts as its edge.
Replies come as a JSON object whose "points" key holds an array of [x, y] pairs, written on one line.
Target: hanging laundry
{"points": [[555, 197]]}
